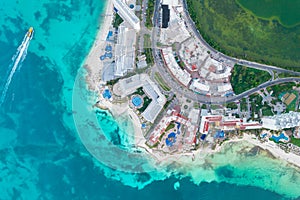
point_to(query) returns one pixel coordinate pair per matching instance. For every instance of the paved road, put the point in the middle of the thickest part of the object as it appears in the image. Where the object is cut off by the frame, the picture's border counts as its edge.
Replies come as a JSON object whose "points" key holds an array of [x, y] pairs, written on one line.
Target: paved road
{"points": [[180, 90], [238, 61]]}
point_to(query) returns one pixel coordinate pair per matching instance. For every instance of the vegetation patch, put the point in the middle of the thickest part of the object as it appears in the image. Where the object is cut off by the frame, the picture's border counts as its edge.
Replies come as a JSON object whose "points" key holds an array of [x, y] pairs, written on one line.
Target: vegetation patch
{"points": [[295, 141], [231, 105], [170, 126], [243, 104], [139, 91], [267, 111], [148, 49], [290, 100], [283, 87], [244, 78], [112, 82], [117, 21], [274, 10], [161, 82], [149, 13], [168, 102], [235, 31], [147, 101]]}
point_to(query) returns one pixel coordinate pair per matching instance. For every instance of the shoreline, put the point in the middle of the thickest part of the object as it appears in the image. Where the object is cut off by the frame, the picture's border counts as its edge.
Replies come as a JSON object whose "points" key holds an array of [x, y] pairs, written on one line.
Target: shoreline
{"points": [[94, 66], [275, 150], [92, 63]]}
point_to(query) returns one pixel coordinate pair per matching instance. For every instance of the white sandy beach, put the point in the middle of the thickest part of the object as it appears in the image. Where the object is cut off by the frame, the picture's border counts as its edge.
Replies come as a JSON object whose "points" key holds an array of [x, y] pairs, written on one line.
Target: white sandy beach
{"points": [[274, 150], [94, 67], [93, 64]]}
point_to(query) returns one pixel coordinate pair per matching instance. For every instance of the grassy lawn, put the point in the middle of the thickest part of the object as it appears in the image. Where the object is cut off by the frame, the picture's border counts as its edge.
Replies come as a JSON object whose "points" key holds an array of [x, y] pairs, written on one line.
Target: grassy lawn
{"points": [[161, 82], [274, 9], [170, 126], [237, 32], [117, 21], [196, 105], [231, 105], [148, 49], [147, 41], [149, 13], [243, 103], [267, 111], [244, 78], [139, 91], [147, 101], [286, 75], [284, 87], [295, 141]]}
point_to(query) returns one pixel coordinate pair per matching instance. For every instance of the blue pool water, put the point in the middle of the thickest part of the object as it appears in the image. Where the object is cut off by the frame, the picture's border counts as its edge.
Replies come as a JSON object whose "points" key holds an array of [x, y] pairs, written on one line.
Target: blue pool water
{"points": [[106, 94], [219, 134], [281, 136], [263, 135], [171, 139], [108, 48], [203, 136], [42, 156], [131, 6], [137, 101], [178, 127]]}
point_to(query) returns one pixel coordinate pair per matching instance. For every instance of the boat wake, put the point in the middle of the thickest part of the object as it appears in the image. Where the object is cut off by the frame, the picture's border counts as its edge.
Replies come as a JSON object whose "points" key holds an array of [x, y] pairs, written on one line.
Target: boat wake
{"points": [[16, 64]]}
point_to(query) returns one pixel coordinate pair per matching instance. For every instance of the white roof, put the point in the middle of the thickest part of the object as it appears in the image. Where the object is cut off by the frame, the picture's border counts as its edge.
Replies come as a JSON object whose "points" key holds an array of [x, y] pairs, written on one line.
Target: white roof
{"points": [[200, 86], [170, 2], [124, 50], [286, 120], [129, 85], [194, 115], [127, 14], [152, 111], [181, 75], [149, 90], [224, 88]]}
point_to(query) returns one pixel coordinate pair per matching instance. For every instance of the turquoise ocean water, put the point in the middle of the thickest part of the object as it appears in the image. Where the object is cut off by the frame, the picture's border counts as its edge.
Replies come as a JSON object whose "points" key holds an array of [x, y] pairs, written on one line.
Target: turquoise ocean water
{"points": [[41, 154]]}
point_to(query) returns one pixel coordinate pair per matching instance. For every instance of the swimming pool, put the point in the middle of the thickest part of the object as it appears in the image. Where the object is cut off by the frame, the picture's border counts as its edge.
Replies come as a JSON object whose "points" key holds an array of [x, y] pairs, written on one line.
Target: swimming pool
{"points": [[281, 136], [108, 48], [219, 134], [137, 101], [263, 135], [106, 94], [171, 139]]}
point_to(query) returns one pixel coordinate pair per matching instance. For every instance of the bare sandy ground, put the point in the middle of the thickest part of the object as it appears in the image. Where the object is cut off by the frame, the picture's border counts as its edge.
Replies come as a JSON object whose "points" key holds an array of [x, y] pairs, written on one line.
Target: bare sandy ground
{"points": [[93, 64]]}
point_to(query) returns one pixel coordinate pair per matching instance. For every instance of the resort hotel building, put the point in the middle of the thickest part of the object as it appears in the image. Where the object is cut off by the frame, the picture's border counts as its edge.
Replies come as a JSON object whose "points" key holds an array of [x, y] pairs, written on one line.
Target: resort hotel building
{"points": [[282, 121], [127, 14]]}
